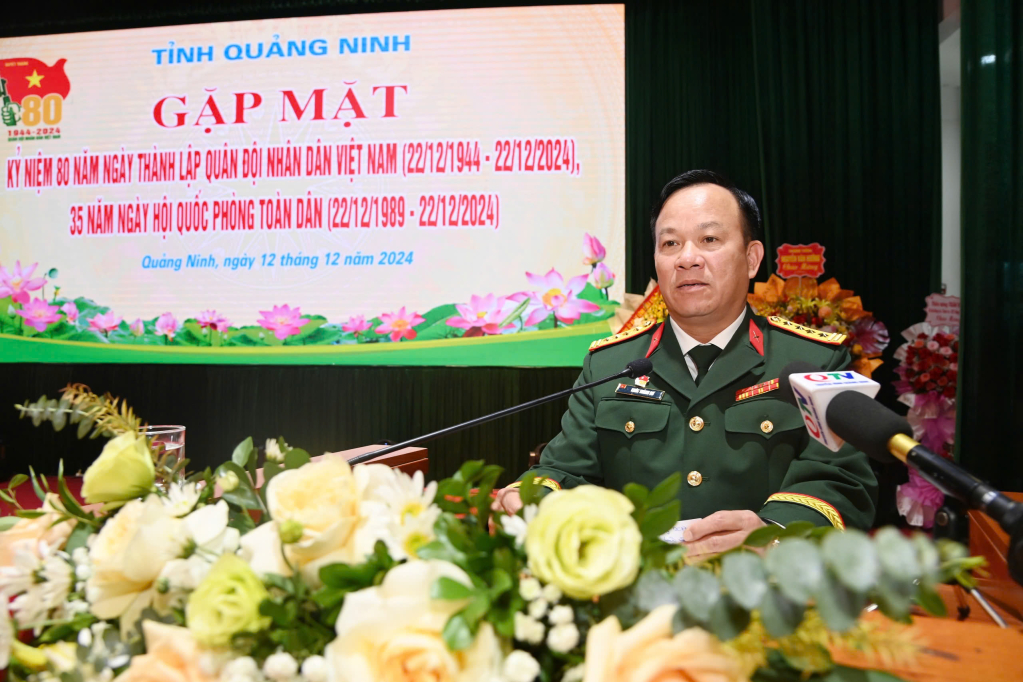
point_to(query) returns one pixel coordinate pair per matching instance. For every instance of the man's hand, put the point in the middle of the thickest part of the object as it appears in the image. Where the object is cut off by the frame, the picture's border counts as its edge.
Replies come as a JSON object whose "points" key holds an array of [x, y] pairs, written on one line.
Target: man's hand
{"points": [[720, 532], [508, 499]]}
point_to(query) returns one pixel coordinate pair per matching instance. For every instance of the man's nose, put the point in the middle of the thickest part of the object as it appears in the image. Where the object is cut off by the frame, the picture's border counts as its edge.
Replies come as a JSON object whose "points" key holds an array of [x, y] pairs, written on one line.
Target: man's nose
{"points": [[689, 257]]}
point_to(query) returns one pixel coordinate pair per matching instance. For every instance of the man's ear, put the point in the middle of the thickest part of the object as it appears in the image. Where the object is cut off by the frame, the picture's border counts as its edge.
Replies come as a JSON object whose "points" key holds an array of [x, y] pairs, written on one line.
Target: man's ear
{"points": [[754, 255]]}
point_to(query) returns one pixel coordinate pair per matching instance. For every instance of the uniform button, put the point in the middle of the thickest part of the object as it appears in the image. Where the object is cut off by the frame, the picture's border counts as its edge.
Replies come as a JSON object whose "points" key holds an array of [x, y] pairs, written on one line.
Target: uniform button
{"points": [[766, 426], [630, 427], [694, 478], [696, 424]]}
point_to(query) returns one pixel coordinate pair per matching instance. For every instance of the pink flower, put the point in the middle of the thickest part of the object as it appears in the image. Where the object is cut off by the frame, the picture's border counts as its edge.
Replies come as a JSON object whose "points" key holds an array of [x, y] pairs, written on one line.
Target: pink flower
{"points": [[18, 282], [870, 334], [167, 326], [137, 327], [593, 251], [212, 319], [70, 311], [399, 325], [918, 500], [483, 315], [283, 321], [557, 296], [933, 345], [39, 314], [602, 277], [106, 323], [356, 324]]}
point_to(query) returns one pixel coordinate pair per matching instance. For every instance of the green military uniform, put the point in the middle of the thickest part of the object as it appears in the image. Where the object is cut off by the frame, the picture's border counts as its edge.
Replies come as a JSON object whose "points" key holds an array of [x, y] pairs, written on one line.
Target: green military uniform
{"points": [[736, 449]]}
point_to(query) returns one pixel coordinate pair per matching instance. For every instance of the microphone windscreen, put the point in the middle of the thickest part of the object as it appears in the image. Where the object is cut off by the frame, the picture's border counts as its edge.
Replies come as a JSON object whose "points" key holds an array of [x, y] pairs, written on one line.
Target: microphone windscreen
{"points": [[785, 386], [640, 367], [866, 423]]}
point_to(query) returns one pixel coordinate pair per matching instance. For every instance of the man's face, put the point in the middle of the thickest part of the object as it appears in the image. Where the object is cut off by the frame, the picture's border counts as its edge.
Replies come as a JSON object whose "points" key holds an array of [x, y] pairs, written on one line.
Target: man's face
{"points": [[703, 264]]}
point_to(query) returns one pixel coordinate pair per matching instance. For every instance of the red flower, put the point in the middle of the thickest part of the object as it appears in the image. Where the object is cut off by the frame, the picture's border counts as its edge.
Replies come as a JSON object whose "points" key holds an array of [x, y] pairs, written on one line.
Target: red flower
{"points": [[925, 376], [931, 386], [949, 392]]}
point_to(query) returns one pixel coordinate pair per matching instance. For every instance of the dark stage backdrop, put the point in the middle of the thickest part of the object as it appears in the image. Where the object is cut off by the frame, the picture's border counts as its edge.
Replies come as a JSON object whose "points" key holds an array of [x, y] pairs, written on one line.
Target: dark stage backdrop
{"points": [[827, 112]]}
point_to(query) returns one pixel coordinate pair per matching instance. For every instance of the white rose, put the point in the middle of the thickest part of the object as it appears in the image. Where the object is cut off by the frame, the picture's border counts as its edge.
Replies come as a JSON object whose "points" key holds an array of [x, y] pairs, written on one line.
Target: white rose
{"points": [[563, 638], [281, 666], [561, 615], [128, 555], [528, 629], [329, 500], [537, 608], [393, 631], [551, 593], [520, 666], [244, 666], [574, 674], [530, 588], [273, 451], [314, 669]]}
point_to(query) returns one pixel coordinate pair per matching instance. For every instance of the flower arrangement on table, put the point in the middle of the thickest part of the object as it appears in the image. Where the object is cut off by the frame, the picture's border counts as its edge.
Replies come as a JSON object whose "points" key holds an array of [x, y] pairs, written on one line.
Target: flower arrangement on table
{"points": [[327, 572], [928, 371], [552, 301], [828, 307]]}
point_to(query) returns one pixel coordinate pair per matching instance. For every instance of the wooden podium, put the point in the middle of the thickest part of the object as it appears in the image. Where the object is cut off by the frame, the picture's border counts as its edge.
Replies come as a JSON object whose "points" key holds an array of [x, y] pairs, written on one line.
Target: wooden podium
{"points": [[409, 460]]}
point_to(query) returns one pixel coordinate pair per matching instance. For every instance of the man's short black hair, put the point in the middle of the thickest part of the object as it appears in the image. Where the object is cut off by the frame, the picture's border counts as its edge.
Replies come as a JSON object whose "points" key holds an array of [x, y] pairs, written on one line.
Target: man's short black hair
{"points": [[747, 207]]}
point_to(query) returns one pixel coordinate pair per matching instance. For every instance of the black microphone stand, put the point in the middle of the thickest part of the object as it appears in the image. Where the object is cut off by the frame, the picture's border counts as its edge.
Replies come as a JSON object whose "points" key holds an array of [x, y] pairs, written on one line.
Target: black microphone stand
{"points": [[628, 372]]}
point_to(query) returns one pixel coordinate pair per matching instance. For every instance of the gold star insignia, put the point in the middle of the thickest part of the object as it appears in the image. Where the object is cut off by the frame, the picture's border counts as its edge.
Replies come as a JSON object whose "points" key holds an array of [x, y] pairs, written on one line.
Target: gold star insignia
{"points": [[35, 80]]}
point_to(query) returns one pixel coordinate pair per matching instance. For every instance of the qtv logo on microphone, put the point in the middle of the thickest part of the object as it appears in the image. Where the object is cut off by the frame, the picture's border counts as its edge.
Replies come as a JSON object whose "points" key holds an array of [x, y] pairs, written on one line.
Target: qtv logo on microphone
{"points": [[815, 390]]}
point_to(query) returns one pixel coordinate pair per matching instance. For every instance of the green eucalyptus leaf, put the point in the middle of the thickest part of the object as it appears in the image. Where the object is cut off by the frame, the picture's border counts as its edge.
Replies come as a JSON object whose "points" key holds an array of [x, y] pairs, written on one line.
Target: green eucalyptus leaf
{"points": [[79, 537], [468, 470], [797, 529], [763, 536], [796, 566], [728, 619], [456, 634], [927, 557], [779, 614], [851, 555], [897, 555], [500, 582], [651, 590], [17, 480], [930, 601], [698, 590], [839, 606], [637, 494], [85, 426], [447, 588], [7, 522], [243, 496], [744, 577], [895, 597], [529, 491], [665, 491], [242, 451]]}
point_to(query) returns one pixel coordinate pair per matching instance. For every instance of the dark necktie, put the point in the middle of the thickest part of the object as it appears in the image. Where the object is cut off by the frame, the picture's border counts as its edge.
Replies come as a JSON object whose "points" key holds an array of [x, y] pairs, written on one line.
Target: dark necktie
{"points": [[703, 357]]}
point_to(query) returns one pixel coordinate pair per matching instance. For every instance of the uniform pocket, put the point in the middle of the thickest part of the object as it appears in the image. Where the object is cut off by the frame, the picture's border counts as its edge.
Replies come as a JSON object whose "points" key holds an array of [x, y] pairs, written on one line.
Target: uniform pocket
{"points": [[766, 417], [632, 417]]}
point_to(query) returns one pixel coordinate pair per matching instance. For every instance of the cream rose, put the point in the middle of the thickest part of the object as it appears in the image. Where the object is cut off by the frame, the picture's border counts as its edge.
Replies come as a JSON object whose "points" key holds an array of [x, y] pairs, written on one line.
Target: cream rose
{"points": [[123, 471], [27, 534], [648, 651], [584, 541], [340, 524], [128, 555], [392, 633], [172, 655]]}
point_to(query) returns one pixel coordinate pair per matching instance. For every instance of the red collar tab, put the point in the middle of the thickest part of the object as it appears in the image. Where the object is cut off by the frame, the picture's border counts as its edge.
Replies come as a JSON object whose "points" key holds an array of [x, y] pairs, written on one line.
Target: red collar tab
{"points": [[656, 340], [756, 338]]}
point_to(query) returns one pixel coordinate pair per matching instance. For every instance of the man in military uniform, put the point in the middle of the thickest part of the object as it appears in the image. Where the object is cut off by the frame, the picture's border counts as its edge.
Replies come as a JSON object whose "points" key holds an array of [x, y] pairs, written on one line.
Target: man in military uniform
{"points": [[709, 409]]}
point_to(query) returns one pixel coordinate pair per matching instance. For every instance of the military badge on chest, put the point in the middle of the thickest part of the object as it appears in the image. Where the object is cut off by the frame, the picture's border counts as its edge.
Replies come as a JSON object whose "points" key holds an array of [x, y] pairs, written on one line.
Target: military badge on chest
{"points": [[640, 390]]}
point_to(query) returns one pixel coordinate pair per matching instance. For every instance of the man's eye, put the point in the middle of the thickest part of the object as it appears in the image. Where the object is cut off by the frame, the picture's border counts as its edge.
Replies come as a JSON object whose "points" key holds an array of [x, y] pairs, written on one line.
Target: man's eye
{"points": [[669, 243], [710, 239]]}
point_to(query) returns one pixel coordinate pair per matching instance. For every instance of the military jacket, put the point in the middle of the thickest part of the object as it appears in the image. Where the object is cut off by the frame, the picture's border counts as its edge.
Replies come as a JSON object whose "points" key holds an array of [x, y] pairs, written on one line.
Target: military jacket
{"points": [[735, 442]]}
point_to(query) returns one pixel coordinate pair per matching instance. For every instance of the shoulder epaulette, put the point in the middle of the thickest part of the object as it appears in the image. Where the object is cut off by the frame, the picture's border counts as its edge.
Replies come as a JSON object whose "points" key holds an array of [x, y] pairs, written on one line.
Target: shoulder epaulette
{"points": [[622, 336], [834, 338]]}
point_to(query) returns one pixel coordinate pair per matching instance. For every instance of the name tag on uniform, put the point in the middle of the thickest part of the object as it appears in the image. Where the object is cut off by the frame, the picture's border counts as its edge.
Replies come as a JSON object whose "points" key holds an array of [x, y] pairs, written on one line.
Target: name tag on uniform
{"points": [[639, 392]]}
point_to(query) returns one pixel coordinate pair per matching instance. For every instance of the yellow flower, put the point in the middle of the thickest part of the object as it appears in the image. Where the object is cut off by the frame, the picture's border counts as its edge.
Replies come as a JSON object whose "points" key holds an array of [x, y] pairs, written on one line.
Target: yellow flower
{"points": [[123, 471], [584, 541], [172, 655], [226, 602], [392, 632], [647, 651], [26, 534]]}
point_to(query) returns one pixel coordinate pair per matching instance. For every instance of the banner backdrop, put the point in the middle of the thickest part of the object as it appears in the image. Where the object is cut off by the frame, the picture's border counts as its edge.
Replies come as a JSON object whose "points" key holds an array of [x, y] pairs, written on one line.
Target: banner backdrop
{"points": [[411, 188]]}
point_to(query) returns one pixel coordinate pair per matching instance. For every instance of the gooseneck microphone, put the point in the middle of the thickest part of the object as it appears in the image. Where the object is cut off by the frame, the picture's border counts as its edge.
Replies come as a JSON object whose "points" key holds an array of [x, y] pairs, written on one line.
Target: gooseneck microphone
{"points": [[634, 369], [885, 436]]}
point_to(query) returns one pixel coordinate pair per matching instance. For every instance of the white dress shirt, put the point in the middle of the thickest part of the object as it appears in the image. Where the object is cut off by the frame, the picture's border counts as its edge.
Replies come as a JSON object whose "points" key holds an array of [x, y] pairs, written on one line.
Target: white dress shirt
{"points": [[687, 343]]}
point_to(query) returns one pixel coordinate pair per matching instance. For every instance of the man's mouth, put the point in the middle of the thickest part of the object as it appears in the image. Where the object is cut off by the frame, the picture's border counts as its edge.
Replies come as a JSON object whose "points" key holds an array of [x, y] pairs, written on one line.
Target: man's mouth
{"points": [[691, 286]]}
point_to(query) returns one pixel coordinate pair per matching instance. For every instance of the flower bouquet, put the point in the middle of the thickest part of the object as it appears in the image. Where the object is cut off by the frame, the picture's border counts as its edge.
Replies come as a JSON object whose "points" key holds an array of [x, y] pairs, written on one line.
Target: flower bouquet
{"points": [[311, 570], [828, 307], [928, 370]]}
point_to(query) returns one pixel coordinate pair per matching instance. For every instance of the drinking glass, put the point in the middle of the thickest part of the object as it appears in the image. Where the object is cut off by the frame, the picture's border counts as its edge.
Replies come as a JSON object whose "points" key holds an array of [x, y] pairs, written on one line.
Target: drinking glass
{"points": [[171, 437]]}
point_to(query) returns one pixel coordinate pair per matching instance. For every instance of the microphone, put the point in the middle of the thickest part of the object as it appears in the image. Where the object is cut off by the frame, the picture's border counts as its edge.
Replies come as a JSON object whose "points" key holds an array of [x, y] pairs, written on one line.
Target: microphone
{"points": [[634, 369], [883, 435]]}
